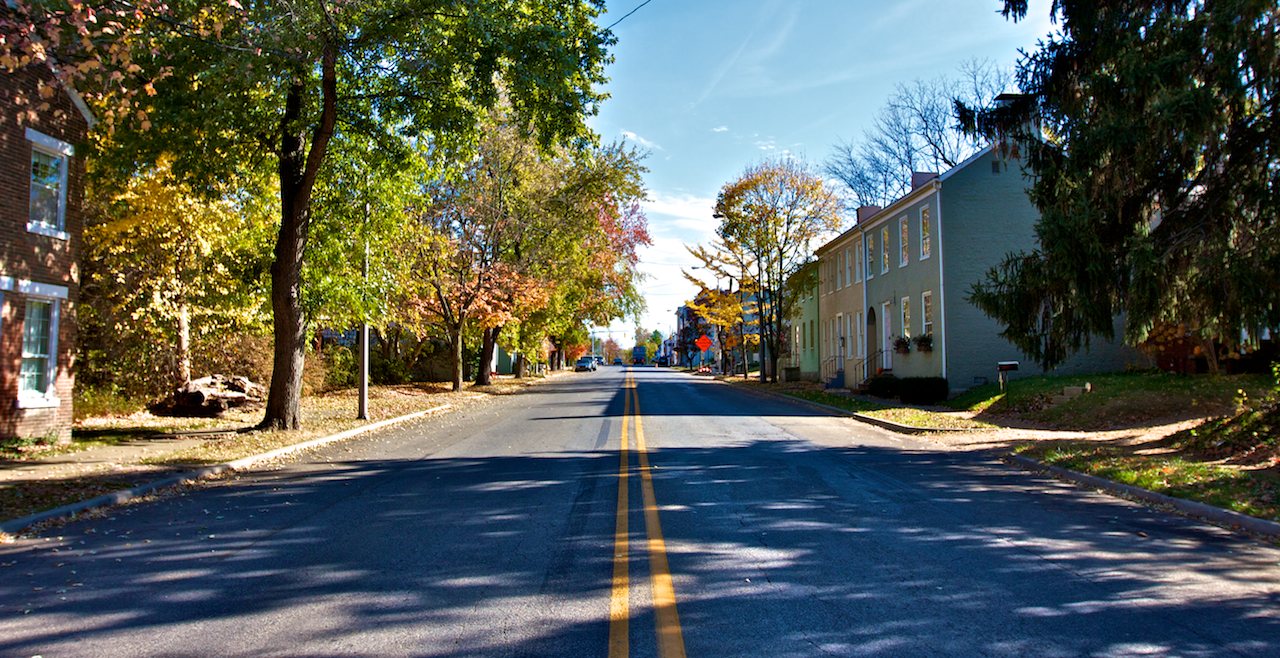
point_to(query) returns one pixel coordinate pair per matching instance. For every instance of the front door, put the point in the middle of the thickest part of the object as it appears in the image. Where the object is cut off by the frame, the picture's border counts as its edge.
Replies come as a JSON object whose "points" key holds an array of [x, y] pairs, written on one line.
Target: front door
{"points": [[885, 337]]}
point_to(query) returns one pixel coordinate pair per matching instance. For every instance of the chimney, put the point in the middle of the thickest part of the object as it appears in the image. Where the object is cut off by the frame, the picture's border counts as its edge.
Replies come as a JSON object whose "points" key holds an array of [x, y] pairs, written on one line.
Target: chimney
{"points": [[1023, 104], [865, 212], [919, 178]]}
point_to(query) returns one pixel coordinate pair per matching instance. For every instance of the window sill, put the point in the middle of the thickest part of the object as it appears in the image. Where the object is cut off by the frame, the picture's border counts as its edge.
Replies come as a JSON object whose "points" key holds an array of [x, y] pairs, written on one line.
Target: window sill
{"points": [[38, 402], [48, 231]]}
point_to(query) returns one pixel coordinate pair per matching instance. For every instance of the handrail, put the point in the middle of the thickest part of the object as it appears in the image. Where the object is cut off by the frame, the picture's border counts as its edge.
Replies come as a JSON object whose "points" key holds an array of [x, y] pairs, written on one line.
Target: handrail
{"points": [[863, 367], [829, 367]]}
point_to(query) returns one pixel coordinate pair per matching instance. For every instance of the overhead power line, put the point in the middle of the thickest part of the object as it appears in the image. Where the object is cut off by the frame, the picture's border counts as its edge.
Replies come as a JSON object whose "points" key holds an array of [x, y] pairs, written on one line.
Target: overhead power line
{"points": [[628, 14]]}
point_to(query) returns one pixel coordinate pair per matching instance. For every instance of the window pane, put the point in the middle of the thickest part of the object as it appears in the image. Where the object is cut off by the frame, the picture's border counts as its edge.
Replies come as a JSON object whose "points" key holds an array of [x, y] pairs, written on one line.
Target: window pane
{"points": [[34, 372], [925, 234], [35, 329], [34, 375], [884, 249], [906, 316], [46, 184], [927, 303], [903, 241]]}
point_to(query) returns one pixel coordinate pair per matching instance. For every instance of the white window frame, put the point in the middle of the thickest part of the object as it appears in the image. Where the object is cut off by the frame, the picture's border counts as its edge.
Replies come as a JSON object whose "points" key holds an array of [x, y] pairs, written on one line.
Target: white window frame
{"points": [[904, 240], [926, 234], [857, 267], [871, 255], [848, 267], [926, 312], [29, 399], [839, 263], [63, 151], [904, 315], [861, 328], [55, 295], [837, 348], [884, 250]]}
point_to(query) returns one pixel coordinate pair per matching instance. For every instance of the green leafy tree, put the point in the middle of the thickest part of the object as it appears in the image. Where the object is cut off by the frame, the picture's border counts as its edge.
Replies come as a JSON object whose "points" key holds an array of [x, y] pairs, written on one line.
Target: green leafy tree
{"points": [[776, 210], [167, 268], [221, 85], [1150, 128]]}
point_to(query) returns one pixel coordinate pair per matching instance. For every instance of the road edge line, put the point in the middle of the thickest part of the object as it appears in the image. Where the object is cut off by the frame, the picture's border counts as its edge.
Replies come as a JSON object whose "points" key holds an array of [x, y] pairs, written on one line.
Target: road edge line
{"points": [[15, 526]]}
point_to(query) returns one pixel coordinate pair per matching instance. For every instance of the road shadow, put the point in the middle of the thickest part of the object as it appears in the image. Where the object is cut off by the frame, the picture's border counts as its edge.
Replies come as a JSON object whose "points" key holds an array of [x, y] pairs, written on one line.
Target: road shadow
{"points": [[778, 547]]}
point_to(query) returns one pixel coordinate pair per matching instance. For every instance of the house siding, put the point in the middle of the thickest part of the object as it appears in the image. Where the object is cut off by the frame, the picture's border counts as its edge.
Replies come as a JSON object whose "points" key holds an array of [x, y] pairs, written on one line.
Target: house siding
{"points": [[984, 217], [31, 257]]}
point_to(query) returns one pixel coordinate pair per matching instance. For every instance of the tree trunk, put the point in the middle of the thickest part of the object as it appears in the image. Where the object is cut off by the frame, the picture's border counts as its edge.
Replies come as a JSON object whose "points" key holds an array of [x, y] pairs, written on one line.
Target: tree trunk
{"points": [[184, 343], [298, 169], [455, 355], [489, 342]]}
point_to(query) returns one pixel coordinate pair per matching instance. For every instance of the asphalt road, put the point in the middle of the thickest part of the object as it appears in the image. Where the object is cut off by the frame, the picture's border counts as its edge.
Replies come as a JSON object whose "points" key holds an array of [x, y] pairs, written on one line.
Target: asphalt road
{"points": [[496, 531]]}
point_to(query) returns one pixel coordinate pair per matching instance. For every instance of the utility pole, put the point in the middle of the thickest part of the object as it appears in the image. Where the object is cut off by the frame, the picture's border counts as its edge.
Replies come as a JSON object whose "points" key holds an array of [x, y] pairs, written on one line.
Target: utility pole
{"points": [[363, 413]]}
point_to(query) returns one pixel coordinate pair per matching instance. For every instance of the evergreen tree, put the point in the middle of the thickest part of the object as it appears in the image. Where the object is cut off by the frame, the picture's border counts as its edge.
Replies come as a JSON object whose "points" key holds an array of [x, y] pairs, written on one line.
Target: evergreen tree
{"points": [[1151, 130]]}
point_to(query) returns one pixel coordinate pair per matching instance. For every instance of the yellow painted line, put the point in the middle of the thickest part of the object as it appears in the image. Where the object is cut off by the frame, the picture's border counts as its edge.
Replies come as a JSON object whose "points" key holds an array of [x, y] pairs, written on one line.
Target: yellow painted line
{"points": [[670, 638], [619, 602]]}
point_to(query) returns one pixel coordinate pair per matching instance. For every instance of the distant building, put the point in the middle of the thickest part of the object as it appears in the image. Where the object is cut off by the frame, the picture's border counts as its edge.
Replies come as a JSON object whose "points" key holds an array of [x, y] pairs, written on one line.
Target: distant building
{"points": [[892, 288]]}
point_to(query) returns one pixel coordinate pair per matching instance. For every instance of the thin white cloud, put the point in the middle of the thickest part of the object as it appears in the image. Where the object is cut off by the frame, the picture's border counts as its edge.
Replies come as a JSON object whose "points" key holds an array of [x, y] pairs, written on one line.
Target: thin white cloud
{"points": [[719, 129], [681, 207], [642, 141]]}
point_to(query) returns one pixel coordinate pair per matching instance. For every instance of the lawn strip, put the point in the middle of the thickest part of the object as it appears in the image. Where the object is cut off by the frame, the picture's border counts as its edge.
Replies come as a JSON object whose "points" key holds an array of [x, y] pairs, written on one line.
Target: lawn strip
{"points": [[928, 419], [1246, 491]]}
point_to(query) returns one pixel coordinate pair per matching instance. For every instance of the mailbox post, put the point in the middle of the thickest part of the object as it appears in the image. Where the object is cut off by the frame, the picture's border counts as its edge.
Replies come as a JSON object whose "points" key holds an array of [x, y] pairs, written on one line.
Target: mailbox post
{"points": [[1003, 367]]}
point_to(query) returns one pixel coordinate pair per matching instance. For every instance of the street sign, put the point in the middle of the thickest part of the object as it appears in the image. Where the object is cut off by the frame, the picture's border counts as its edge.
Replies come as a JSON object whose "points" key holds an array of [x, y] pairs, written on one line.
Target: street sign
{"points": [[703, 343]]}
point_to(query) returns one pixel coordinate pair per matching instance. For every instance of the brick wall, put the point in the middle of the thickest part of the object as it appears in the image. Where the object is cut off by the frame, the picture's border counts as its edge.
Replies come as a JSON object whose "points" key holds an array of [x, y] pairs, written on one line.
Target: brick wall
{"points": [[33, 257]]}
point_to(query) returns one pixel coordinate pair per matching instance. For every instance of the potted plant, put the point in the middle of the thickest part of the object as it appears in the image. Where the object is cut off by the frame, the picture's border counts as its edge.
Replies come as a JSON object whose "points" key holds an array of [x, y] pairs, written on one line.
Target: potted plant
{"points": [[924, 342], [901, 344]]}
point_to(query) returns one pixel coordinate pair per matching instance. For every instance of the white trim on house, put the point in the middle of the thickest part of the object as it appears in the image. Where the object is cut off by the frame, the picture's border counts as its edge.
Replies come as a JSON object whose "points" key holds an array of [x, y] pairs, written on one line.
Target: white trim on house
{"points": [[941, 341], [33, 288], [49, 398], [53, 144], [61, 151]]}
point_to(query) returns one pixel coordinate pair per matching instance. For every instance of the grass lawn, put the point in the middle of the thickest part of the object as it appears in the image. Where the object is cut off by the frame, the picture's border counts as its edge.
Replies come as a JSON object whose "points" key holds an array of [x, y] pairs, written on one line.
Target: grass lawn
{"points": [[1255, 492], [903, 415], [1117, 400]]}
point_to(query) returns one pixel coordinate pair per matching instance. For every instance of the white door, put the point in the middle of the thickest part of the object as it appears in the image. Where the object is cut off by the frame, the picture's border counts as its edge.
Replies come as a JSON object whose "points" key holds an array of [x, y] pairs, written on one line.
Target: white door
{"points": [[886, 338]]}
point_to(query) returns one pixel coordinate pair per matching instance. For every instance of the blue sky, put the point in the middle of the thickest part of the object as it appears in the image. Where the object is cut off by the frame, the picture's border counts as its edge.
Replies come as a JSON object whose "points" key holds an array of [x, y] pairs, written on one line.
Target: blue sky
{"points": [[711, 86]]}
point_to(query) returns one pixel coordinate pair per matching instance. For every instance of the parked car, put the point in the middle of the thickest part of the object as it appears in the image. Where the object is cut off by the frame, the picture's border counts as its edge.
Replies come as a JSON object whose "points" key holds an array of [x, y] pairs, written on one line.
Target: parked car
{"points": [[660, 361], [599, 359], [617, 360], [585, 363]]}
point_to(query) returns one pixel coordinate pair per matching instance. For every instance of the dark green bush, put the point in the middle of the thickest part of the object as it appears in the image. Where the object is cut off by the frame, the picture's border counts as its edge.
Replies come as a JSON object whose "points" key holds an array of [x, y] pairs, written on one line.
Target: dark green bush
{"points": [[883, 386], [923, 390]]}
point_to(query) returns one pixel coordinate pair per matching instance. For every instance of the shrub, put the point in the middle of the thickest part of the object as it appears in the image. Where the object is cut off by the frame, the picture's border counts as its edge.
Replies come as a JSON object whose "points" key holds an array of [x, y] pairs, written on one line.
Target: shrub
{"points": [[341, 367], [923, 390], [105, 400], [883, 386]]}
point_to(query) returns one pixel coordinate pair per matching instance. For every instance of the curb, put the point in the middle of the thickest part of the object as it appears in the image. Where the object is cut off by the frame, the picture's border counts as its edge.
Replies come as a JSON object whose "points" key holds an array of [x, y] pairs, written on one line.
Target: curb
{"points": [[14, 526], [1215, 515], [870, 420]]}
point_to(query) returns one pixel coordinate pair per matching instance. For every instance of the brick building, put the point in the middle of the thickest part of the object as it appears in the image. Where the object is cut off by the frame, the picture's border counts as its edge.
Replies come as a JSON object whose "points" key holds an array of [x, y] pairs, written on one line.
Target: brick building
{"points": [[41, 190]]}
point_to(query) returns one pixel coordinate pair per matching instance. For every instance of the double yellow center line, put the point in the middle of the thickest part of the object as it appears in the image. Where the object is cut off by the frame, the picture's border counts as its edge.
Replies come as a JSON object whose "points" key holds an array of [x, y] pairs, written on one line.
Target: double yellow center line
{"points": [[670, 639]]}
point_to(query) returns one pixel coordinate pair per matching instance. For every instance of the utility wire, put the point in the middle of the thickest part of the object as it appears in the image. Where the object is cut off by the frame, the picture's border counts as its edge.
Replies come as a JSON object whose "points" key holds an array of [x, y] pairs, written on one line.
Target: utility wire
{"points": [[628, 14]]}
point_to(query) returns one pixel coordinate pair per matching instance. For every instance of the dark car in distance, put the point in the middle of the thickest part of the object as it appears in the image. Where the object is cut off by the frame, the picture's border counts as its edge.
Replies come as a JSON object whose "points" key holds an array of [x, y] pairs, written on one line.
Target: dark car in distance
{"points": [[617, 360]]}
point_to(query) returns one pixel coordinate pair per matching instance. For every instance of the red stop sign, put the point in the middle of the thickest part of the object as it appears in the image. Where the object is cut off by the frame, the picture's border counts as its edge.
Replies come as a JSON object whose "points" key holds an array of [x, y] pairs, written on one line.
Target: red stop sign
{"points": [[703, 343]]}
